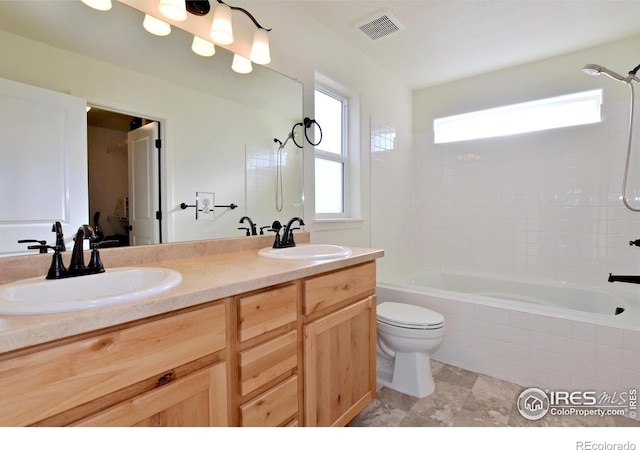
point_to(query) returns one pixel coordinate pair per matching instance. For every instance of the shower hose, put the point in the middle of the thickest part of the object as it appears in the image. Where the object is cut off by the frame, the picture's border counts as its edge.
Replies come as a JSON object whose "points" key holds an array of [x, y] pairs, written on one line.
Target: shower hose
{"points": [[626, 166]]}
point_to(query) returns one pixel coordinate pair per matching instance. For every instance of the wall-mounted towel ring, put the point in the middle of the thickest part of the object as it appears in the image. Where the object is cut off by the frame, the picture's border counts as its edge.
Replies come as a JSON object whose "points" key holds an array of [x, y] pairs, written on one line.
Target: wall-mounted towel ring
{"points": [[306, 124]]}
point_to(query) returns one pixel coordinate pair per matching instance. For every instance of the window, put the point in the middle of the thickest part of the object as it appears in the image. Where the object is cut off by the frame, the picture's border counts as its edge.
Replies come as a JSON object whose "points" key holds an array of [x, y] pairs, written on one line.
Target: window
{"points": [[549, 113], [331, 156]]}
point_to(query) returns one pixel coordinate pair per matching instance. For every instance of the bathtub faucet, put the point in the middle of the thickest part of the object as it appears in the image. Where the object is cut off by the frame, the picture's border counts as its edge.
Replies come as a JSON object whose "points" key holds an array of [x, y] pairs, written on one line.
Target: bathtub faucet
{"points": [[624, 278]]}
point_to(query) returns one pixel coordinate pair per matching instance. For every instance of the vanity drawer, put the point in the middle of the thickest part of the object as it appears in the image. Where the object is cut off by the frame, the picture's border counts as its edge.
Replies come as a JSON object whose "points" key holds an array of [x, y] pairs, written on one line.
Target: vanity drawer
{"points": [[38, 385], [328, 290], [265, 311], [274, 407], [266, 362]]}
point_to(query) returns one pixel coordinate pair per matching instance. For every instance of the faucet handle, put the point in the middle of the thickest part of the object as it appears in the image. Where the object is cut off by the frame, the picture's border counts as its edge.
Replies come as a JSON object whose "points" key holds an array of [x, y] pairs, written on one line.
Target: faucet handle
{"points": [[266, 227], [95, 262], [41, 245], [57, 269], [276, 226]]}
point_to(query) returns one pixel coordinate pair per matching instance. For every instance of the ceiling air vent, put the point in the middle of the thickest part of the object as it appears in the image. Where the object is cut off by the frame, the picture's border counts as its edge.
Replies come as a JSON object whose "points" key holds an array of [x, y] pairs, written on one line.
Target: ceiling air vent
{"points": [[380, 25]]}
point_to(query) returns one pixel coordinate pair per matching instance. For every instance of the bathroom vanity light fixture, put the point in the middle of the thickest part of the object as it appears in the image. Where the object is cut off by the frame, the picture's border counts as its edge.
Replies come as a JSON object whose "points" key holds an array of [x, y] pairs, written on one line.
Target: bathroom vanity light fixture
{"points": [[222, 32], [173, 9], [202, 47], [101, 5], [156, 26], [241, 64]]}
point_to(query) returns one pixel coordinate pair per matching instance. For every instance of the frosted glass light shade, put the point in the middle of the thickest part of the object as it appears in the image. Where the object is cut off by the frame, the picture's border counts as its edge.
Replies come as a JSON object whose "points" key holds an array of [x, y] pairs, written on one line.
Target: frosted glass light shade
{"points": [[173, 9], [102, 5], [241, 64], [156, 26], [260, 48], [221, 27], [202, 47]]}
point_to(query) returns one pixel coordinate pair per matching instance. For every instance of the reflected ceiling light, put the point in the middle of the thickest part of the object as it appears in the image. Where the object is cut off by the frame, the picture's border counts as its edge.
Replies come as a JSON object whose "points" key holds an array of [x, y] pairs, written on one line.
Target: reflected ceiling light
{"points": [[221, 27], [241, 64], [173, 9], [260, 48], [203, 47], [222, 32], [156, 26], [102, 5]]}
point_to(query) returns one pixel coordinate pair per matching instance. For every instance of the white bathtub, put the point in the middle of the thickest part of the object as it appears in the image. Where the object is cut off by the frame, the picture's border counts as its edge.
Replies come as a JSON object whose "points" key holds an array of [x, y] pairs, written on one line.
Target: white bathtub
{"points": [[537, 297], [548, 335]]}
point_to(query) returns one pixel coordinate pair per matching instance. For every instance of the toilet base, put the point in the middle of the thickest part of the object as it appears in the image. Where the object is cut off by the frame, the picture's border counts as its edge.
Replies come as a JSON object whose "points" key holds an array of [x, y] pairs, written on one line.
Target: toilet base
{"points": [[409, 373]]}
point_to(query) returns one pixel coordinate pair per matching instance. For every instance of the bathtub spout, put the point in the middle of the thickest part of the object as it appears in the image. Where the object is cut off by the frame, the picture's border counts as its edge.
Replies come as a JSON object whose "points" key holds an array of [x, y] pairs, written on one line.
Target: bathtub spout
{"points": [[624, 278]]}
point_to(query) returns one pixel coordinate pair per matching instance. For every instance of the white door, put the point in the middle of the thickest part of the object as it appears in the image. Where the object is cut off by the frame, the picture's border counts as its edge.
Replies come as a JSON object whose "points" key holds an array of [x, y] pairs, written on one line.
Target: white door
{"points": [[43, 165], [144, 227]]}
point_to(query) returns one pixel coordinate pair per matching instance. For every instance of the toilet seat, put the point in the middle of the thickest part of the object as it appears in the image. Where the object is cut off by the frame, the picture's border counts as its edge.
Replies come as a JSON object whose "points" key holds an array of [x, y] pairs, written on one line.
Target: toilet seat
{"points": [[409, 316]]}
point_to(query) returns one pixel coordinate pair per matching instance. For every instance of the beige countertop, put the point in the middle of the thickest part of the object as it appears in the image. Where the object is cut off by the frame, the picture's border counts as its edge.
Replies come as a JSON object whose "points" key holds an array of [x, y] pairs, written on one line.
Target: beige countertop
{"points": [[204, 278]]}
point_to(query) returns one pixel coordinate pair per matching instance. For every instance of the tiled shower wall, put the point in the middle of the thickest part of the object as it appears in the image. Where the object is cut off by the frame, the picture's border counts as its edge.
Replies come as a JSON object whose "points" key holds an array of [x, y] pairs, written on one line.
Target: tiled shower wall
{"points": [[541, 206]]}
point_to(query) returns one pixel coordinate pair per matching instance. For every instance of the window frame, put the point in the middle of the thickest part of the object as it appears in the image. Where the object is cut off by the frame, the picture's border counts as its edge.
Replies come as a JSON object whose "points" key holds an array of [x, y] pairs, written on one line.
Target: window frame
{"points": [[467, 130], [343, 158]]}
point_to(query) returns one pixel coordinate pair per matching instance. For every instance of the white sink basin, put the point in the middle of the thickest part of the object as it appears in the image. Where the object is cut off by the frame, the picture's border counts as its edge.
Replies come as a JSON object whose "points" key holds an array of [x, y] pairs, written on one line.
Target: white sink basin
{"points": [[307, 252], [118, 285]]}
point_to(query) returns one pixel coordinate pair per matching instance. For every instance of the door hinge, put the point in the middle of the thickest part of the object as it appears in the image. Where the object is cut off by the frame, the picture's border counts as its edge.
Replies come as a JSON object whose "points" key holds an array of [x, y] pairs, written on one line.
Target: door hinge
{"points": [[158, 215], [158, 143]]}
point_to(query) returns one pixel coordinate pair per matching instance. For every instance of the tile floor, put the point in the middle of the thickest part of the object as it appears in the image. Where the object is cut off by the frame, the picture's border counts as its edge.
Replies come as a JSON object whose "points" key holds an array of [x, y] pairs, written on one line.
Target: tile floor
{"points": [[465, 399]]}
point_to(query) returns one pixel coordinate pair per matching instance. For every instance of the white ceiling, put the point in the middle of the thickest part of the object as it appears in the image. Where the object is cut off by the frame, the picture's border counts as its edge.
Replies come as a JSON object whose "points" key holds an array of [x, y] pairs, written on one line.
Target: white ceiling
{"points": [[446, 40], [443, 40]]}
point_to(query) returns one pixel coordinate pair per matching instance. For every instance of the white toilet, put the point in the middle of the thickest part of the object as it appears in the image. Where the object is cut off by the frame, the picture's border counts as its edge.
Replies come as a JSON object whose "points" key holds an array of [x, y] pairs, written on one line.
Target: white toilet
{"points": [[407, 335]]}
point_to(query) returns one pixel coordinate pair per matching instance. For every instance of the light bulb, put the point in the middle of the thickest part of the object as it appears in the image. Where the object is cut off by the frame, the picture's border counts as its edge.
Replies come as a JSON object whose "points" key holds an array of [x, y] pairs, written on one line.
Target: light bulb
{"points": [[173, 9], [260, 48], [241, 64], [102, 5], [156, 26], [221, 27], [202, 47]]}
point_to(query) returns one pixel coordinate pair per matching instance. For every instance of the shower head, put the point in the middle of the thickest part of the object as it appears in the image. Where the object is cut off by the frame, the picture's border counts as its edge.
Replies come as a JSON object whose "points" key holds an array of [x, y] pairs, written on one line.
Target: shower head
{"points": [[596, 70]]}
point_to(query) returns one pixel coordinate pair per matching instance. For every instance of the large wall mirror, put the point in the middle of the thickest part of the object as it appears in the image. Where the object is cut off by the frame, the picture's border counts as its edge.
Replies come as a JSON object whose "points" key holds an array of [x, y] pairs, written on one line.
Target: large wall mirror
{"points": [[218, 127]]}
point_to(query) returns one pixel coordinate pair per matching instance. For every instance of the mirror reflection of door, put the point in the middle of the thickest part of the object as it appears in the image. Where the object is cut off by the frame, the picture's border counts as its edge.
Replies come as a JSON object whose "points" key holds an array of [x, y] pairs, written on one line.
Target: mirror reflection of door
{"points": [[114, 188], [143, 185]]}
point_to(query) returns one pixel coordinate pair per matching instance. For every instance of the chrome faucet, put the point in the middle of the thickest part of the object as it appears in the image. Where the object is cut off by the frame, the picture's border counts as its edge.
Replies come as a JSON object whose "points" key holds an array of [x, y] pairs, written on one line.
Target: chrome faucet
{"points": [[251, 231]]}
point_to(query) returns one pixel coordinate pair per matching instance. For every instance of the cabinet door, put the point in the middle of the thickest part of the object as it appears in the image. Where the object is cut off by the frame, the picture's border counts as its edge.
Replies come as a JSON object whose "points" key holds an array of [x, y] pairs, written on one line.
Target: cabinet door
{"points": [[40, 385], [199, 399], [339, 363]]}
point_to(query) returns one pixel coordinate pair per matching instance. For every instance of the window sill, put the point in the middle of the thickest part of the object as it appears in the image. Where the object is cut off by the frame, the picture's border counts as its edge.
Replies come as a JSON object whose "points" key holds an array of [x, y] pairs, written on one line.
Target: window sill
{"points": [[337, 224]]}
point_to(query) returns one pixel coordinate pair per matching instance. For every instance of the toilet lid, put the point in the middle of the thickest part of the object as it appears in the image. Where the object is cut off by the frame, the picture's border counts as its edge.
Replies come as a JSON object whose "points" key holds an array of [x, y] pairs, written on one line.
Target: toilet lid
{"points": [[408, 315]]}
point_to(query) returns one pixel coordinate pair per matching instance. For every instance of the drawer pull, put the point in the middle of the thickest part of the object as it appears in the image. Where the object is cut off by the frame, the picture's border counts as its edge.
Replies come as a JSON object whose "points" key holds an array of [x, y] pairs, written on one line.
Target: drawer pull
{"points": [[166, 378]]}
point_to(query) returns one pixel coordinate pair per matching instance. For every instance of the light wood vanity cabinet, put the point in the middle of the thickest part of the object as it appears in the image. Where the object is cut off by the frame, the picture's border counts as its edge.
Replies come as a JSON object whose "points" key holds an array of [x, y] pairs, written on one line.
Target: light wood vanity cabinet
{"points": [[339, 345], [268, 353], [148, 372], [298, 353], [197, 400]]}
